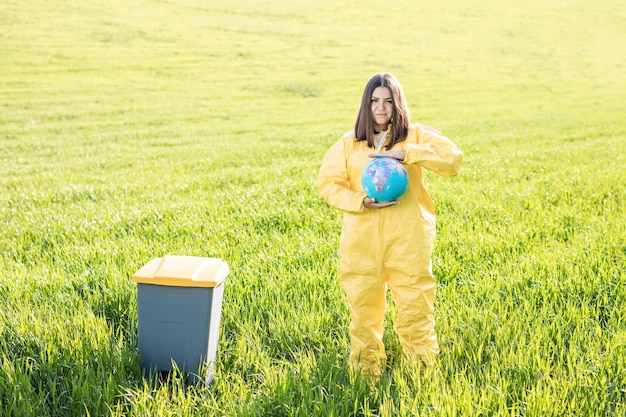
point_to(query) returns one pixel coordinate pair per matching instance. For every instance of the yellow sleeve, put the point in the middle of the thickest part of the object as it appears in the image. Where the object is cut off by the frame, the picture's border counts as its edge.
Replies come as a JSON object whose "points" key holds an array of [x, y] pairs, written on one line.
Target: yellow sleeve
{"points": [[434, 152], [333, 183]]}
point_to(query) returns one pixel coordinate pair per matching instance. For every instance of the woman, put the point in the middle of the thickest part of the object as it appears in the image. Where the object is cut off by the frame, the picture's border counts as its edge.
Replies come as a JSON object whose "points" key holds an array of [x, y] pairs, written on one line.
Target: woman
{"points": [[387, 244]]}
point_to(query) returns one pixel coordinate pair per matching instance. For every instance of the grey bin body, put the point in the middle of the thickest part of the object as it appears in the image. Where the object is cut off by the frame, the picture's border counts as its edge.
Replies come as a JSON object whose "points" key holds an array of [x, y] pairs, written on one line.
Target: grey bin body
{"points": [[178, 323]]}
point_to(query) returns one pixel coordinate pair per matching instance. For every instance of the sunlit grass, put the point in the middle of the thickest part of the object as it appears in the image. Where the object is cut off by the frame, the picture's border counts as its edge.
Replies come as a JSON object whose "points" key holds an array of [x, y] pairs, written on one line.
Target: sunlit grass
{"points": [[130, 130]]}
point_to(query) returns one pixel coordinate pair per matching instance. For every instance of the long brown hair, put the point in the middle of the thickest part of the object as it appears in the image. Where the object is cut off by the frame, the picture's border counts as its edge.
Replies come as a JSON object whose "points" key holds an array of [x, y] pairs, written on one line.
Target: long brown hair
{"points": [[364, 126]]}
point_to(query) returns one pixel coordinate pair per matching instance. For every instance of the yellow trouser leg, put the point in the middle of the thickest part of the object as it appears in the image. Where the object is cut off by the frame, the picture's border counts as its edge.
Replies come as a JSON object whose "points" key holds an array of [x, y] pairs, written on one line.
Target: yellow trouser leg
{"points": [[414, 297], [366, 301]]}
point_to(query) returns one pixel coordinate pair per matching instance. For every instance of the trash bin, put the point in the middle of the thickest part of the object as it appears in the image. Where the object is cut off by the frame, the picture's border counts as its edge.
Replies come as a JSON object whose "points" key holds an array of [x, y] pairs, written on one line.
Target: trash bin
{"points": [[179, 304]]}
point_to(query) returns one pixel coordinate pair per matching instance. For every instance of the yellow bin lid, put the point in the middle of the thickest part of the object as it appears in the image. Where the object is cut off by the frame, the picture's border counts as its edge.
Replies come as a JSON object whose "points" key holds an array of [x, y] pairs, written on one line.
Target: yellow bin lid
{"points": [[183, 271]]}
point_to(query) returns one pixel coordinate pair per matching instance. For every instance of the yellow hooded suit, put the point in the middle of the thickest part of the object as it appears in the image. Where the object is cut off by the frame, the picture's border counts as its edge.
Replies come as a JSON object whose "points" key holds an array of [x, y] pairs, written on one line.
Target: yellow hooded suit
{"points": [[389, 247]]}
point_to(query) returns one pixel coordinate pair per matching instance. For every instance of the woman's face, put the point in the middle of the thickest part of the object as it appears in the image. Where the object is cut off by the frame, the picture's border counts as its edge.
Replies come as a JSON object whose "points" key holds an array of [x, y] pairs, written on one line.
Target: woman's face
{"points": [[382, 107]]}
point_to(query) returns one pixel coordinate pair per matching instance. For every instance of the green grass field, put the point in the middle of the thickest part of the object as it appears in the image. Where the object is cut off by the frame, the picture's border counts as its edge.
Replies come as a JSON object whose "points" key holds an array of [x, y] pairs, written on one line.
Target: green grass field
{"points": [[134, 129]]}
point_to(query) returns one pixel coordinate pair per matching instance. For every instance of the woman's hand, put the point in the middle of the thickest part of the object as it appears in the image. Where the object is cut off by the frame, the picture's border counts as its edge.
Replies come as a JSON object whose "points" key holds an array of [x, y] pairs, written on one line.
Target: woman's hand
{"points": [[372, 203], [399, 155]]}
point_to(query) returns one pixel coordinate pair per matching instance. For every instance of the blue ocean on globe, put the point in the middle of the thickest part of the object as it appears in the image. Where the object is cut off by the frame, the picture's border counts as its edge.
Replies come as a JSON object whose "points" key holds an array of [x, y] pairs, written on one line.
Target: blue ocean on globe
{"points": [[384, 179]]}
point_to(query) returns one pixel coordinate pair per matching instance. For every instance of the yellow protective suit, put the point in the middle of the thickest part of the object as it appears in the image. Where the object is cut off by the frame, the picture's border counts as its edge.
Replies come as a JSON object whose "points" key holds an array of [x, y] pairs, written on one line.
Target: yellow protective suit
{"points": [[389, 247]]}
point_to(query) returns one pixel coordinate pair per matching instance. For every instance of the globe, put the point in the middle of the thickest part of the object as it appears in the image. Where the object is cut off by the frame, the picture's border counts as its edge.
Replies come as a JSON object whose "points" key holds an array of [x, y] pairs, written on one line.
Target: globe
{"points": [[384, 179]]}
